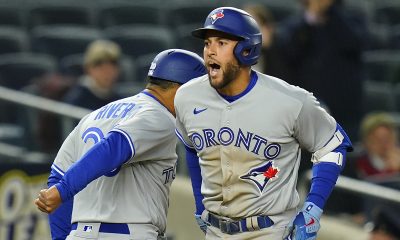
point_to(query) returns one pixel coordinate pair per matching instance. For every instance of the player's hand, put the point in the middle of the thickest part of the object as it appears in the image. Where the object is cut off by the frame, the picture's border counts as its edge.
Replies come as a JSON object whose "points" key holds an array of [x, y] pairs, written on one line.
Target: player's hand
{"points": [[202, 224], [48, 200], [305, 225]]}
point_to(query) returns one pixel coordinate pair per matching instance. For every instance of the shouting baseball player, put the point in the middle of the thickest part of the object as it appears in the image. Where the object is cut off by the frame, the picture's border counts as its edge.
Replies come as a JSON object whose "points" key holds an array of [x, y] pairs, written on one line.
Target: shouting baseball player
{"points": [[119, 162], [243, 131]]}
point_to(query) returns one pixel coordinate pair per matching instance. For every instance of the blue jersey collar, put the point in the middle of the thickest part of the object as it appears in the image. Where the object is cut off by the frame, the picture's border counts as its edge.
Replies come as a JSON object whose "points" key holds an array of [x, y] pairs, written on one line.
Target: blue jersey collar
{"points": [[152, 96], [253, 81]]}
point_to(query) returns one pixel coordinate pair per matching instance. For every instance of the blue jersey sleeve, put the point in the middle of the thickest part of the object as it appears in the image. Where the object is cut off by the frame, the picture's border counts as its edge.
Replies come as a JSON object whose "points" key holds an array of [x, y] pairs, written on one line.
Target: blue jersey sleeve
{"points": [[326, 174], [60, 219], [104, 157], [195, 175]]}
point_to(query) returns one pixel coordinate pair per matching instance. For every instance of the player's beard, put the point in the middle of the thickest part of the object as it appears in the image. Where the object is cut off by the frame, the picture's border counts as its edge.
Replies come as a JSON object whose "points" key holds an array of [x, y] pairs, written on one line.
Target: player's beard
{"points": [[228, 75]]}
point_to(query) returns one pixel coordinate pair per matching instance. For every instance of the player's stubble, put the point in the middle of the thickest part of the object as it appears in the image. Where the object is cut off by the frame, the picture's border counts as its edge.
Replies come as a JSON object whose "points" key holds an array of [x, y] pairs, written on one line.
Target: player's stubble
{"points": [[228, 75]]}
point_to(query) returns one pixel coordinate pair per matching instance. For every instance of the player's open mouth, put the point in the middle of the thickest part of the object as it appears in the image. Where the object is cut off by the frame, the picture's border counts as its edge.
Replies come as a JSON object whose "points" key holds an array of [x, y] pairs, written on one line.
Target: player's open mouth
{"points": [[213, 69]]}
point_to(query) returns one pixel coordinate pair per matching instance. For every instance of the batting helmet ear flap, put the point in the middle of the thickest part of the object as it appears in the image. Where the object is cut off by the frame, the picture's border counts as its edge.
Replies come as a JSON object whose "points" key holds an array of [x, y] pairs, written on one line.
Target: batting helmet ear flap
{"points": [[247, 53]]}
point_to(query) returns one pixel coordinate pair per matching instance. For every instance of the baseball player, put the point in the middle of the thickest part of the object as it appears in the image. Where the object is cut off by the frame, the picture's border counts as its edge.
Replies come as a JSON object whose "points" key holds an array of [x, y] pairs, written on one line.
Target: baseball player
{"points": [[243, 131], [119, 162]]}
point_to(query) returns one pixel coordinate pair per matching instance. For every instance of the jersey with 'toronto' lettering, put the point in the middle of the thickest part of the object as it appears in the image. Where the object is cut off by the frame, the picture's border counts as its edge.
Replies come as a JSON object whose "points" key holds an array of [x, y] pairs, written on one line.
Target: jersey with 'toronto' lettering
{"points": [[249, 149]]}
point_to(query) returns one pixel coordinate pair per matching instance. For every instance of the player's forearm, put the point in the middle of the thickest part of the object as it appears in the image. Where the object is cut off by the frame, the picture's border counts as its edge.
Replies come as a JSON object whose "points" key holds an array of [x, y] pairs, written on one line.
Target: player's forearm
{"points": [[53, 178], [325, 174], [195, 175], [60, 220], [102, 158], [328, 163], [324, 179]]}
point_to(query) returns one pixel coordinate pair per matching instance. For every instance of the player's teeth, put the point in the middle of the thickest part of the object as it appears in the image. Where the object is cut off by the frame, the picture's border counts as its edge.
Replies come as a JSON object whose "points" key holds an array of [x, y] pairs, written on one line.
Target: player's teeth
{"points": [[213, 72]]}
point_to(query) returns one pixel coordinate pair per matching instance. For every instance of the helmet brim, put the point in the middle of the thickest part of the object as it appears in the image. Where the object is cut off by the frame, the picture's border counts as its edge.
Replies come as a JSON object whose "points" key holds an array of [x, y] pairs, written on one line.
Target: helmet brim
{"points": [[201, 33]]}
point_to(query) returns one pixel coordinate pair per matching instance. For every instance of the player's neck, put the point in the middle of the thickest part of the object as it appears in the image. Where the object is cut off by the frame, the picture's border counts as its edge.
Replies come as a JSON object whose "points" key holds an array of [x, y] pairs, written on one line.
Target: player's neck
{"points": [[238, 85], [165, 97]]}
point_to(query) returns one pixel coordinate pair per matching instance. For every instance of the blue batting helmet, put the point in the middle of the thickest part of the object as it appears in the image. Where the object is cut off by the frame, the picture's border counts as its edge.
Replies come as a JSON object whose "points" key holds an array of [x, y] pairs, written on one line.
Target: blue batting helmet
{"points": [[177, 65], [237, 23]]}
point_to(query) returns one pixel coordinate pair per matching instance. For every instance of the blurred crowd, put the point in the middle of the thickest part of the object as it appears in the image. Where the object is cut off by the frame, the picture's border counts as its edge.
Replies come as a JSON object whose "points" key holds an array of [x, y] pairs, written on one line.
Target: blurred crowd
{"points": [[379, 163], [342, 51]]}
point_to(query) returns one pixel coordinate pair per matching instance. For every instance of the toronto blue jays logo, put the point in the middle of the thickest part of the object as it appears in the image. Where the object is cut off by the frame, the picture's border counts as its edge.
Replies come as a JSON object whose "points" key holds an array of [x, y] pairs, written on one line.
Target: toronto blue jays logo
{"points": [[261, 175], [217, 15]]}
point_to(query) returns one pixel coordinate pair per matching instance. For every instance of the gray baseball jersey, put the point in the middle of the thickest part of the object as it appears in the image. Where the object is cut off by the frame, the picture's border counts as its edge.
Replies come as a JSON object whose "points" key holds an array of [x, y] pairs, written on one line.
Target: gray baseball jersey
{"points": [[138, 191], [249, 149]]}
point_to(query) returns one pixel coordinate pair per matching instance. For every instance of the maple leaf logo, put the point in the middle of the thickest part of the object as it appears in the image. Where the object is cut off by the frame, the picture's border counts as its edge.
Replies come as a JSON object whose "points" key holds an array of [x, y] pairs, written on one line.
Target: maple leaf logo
{"points": [[271, 172]]}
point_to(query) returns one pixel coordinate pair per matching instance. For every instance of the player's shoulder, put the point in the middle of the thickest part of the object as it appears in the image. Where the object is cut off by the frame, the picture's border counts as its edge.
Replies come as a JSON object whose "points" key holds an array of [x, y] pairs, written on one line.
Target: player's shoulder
{"points": [[148, 111], [283, 87], [149, 105], [194, 85]]}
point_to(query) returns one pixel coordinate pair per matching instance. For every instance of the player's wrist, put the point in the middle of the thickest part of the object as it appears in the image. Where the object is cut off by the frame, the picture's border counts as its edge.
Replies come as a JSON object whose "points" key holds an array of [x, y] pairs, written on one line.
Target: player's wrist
{"points": [[201, 223], [64, 192], [312, 209]]}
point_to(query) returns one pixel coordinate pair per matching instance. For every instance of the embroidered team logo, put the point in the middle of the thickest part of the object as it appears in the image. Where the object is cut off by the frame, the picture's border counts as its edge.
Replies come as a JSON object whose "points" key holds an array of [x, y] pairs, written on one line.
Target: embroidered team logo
{"points": [[217, 15], [261, 175]]}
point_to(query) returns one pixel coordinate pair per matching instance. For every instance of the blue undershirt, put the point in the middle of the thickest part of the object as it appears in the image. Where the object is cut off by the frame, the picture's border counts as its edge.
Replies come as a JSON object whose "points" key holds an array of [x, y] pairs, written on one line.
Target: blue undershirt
{"points": [[108, 154], [192, 162], [105, 156], [60, 219], [326, 174]]}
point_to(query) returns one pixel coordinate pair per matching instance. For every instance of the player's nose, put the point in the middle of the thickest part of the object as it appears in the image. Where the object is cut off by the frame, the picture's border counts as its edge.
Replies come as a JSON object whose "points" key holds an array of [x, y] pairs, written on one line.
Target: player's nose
{"points": [[210, 50]]}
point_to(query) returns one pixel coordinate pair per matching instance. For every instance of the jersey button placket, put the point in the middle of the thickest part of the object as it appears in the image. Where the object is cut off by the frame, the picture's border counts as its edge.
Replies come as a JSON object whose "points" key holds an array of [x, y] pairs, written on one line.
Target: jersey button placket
{"points": [[225, 161], [228, 108]]}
